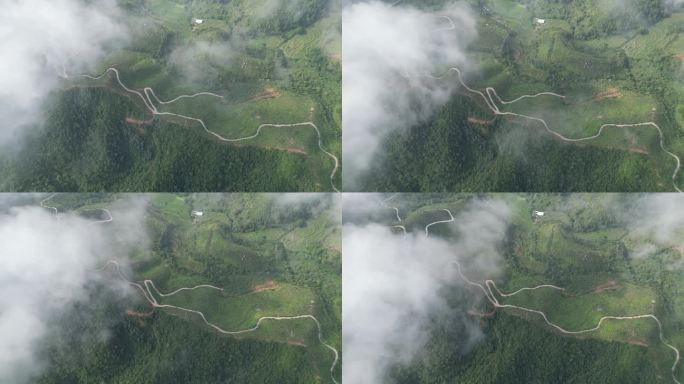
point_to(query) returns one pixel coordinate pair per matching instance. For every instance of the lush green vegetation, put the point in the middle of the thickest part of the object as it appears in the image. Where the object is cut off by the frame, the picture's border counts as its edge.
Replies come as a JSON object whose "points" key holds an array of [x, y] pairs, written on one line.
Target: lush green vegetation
{"points": [[615, 61], [271, 259], [273, 63], [522, 352], [588, 244], [106, 154]]}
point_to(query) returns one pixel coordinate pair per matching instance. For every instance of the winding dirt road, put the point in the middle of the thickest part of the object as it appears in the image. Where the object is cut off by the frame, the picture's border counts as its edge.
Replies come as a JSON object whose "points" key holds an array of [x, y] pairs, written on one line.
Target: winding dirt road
{"points": [[54, 209], [107, 220], [451, 218], [489, 288], [149, 98], [396, 210], [42, 204]]}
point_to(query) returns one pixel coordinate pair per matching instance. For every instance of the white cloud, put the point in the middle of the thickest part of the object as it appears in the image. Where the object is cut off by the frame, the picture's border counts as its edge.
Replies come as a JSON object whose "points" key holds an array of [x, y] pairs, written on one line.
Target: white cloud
{"points": [[202, 61], [655, 221], [392, 286], [46, 263], [314, 203], [388, 53], [39, 41]]}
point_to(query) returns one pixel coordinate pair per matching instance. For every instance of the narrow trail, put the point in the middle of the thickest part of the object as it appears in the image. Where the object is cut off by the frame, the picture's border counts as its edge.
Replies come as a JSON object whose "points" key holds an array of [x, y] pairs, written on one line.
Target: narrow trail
{"points": [[42, 204], [54, 209], [401, 227], [491, 290], [491, 98], [107, 220], [451, 218], [149, 98], [396, 210]]}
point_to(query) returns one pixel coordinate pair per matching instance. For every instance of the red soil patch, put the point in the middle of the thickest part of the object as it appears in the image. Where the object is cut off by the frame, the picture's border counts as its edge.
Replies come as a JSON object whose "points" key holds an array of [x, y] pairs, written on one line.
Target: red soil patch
{"points": [[133, 313], [130, 120], [641, 343], [475, 120], [517, 250], [610, 284], [298, 342], [267, 93], [292, 148], [296, 150], [638, 150], [680, 57], [475, 312], [678, 249], [267, 286], [610, 93]]}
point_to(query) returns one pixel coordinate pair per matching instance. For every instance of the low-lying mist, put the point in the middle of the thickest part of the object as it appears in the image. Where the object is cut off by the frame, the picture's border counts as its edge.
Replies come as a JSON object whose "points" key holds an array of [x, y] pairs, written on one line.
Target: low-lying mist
{"points": [[42, 42], [389, 53], [394, 284], [47, 264]]}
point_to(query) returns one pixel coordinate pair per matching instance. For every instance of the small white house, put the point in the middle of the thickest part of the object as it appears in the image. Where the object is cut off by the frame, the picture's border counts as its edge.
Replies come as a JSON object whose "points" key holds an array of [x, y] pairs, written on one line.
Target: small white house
{"points": [[538, 214], [197, 21], [539, 21], [196, 214]]}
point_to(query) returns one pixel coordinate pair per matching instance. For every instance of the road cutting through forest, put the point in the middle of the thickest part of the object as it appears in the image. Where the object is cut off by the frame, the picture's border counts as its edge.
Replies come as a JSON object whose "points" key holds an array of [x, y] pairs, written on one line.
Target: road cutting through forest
{"points": [[396, 210]]}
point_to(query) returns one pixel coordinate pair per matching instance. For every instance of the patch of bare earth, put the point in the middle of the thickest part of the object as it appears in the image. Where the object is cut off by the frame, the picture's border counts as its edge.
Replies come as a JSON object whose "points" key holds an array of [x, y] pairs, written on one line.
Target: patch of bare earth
{"points": [[610, 93], [133, 121], [267, 93], [608, 285], [679, 249], [641, 343], [517, 250], [475, 120], [296, 150], [133, 313], [292, 148], [267, 286], [638, 150], [477, 313], [297, 342]]}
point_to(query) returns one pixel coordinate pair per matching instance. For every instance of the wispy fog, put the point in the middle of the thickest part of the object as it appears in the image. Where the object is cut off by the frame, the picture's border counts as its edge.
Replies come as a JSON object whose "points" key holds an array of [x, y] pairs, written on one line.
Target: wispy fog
{"points": [[42, 41], [46, 264], [394, 284], [388, 54]]}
